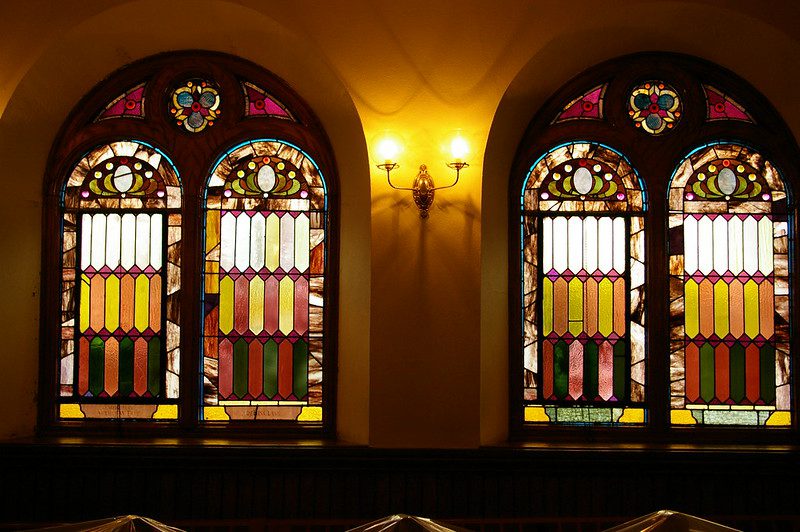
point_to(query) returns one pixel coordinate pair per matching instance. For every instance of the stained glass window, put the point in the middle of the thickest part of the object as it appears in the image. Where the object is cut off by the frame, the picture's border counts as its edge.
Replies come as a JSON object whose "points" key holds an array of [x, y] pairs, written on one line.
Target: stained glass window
{"points": [[129, 105], [260, 103], [588, 105], [583, 301], [265, 265], [729, 263], [196, 104], [655, 107], [723, 107], [120, 322]]}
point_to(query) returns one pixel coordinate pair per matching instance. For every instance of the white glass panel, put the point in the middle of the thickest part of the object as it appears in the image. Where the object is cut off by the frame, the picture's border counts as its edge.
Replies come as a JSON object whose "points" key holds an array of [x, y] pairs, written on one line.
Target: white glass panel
{"points": [[128, 252], [86, 241], [590, 244], [575, 243], [750, 226], [143, 240], [301, 237], [287, 242], [705, 245], [605, 244], [257, 224], [156, 237], [98, 240], [113, 235], [547, 244], [559, 244], [720, 245], [735, 244], [227, 235], [690, 245], [242, 242], [620, 244], [765, 245]]}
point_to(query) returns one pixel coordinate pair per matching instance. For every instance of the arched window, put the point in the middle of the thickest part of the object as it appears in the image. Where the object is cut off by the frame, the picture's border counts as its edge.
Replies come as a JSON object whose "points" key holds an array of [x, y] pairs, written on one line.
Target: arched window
{"points": [[709, 165], [159, 288]]}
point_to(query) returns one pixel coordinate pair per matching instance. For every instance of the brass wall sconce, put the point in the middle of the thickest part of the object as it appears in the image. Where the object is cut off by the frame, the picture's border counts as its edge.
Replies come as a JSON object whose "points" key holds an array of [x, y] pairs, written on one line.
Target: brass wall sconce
{"points": [[423, 188]]}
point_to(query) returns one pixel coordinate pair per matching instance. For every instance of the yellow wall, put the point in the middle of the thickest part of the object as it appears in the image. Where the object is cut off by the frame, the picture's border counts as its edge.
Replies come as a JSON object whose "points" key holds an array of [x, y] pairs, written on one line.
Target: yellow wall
{"points": [[423, 312]]}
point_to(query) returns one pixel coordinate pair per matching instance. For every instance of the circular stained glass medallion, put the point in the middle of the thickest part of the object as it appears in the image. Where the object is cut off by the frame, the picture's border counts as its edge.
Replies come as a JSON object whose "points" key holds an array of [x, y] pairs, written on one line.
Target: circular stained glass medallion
{"points": [[195, 104], [655, 107]]}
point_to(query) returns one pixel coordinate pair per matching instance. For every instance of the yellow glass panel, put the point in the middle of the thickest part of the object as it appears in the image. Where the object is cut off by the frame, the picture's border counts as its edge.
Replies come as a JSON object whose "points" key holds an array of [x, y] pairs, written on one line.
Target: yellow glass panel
{"points": [[166, 412], [721, 326], [536, 414], [212, 229], [682, 417], [632, 415], [84, 303], [751, 323], [272, 249], [575, 306], [215, 413], [605, 307], [286, 319], [310, 413], [692, 307], [780, 419], [226, 304], [547, 306], [212, 277], [112, 303], [70, 411], [141, 317], [257, 305]]}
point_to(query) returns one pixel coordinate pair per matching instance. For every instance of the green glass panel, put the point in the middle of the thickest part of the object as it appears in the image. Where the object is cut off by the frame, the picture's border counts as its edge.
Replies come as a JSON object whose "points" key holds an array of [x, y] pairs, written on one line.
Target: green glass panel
{"points": [[96, 366], [737, 372], [125, 367], [270, 368], [561, 369], [154, 366], [707, 372], [241, 361], [300, 369], [768, 373], [620, 364], [590, 370]]}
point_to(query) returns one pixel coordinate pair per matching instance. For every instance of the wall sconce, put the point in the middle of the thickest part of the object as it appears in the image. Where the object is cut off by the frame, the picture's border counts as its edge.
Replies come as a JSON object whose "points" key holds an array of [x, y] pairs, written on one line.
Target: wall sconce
{"points": [[423, 188]]}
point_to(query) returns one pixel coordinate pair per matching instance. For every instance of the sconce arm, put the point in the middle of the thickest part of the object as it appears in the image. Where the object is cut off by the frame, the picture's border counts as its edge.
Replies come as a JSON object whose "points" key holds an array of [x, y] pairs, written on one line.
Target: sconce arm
{"points": [[457, 167], [388, 167]]}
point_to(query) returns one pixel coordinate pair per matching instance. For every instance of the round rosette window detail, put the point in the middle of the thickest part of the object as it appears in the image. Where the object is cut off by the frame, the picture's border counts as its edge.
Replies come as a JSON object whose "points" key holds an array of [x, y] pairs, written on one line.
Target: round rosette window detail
{"points": [[195, 105], [655, 107]]}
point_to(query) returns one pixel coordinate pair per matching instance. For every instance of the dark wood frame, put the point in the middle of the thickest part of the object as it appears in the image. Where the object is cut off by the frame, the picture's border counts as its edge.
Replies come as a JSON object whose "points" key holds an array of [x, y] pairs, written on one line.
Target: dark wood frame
{"points": [[194, 154], [655, 158]]}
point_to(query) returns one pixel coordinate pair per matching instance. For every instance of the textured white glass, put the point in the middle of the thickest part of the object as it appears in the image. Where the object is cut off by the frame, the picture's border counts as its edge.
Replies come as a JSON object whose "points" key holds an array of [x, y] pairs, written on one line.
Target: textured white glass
{"points": [[128, 250], [575, 244], [287, 242], [690, 245], [547, 244], [590, 244], [705, 245], [735, 245], [559, 244], [605, 244], [156, 237], [98, 240], [227, 241], [242, 259], [143, 240], [720, 244], [750, 227], [257, 225], [113, 235], [765, 245], [301, 237], [86, 241], [620, 244]]}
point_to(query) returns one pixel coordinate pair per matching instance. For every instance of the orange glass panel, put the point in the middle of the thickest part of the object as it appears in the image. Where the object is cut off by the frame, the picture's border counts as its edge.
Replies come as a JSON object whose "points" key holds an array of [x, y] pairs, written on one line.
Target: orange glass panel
{"points": [[112, 366], [736, 305], [140, 366], [560, 306], [127, 290], [97, 312], [692, 372], [752, 373], [722, 378], [766, 308], [155, 303], [547, 370], [619, 306], [590, 306]]}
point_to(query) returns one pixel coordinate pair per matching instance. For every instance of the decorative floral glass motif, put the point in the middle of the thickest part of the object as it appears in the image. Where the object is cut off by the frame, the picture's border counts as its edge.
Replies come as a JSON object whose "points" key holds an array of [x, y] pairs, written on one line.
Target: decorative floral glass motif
{"points": [[120, 283], [266, 226], [729, 242], [259, 103], [589, 105], [583, 277], [723, 107], [196, 104], [654, 106], [130, 105]]}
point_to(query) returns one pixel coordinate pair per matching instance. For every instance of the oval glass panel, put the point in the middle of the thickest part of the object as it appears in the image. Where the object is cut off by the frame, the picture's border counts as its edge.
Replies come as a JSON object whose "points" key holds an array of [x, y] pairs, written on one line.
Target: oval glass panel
{"points": [[726, 181], [123, 178], [266, 178], [582, 180]]}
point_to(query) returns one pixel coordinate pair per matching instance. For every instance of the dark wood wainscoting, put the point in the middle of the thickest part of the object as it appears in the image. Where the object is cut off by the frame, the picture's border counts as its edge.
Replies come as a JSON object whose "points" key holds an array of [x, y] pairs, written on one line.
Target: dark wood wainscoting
{"points": [[240, 486]]}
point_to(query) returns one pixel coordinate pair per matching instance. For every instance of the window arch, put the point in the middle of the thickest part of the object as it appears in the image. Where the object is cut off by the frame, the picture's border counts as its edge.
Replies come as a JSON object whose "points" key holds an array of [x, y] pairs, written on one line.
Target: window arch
{"points": [[126, 253], [656, 108]]}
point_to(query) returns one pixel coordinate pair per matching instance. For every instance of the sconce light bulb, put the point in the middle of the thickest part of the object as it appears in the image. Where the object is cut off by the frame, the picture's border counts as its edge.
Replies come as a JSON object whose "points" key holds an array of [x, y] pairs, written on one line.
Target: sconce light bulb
{"points": [[388, 150], [459, 149]]}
